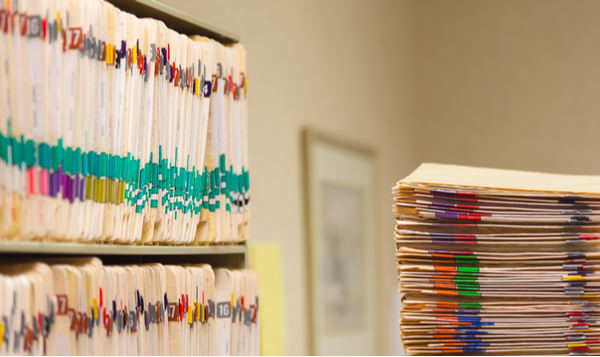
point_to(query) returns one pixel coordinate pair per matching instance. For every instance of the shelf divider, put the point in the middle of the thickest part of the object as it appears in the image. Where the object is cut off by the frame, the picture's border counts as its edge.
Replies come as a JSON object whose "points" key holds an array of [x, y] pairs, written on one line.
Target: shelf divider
{"points": [[70, 248]]}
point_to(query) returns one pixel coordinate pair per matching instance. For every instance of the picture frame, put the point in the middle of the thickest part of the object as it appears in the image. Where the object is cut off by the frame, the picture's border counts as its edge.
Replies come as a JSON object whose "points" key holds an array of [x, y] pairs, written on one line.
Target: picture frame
{"points": [[340, 213]]}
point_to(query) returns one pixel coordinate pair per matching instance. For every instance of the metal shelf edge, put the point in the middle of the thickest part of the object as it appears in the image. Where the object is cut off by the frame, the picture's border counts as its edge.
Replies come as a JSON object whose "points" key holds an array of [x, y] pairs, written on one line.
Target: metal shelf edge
{"points": [[69, 248], [175, 19]]}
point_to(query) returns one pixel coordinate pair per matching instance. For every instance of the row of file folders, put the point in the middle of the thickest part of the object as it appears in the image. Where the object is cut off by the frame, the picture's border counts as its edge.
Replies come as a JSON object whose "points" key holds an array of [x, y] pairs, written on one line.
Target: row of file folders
{"points": [[78, 306], [119, 126]]}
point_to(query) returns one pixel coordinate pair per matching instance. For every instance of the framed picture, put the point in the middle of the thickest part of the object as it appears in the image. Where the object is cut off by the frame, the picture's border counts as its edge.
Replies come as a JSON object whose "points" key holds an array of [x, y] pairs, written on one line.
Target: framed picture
{"points": [[340, 213]]}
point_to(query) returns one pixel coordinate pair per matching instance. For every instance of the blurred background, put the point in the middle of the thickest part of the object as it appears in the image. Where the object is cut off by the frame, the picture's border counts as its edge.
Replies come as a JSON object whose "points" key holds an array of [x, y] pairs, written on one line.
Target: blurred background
{"points": [[508, 84]]}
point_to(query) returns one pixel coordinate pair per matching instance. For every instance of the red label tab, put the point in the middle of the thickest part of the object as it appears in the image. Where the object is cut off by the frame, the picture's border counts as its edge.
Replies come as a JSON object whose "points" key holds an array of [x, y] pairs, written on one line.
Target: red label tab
{"points": [[74, 38], [3, 21], [63, 304], [173, 312], [72, 319], [28, 341], [23, 24]]}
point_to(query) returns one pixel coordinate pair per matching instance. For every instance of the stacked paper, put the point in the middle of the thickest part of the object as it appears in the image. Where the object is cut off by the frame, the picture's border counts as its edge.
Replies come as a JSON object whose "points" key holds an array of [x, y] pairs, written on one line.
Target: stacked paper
{"points": [[80, 307], [498, 261], [118, 129]]}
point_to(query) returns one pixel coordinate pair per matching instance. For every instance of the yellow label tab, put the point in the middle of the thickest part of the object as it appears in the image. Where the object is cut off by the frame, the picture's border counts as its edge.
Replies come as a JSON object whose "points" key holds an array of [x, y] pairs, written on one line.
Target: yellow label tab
{"points": [[134, 54], [121, 192], [95, 305], [231, 302], [571, 345], [197, 91], [190, 313], [1, 333], [109, 54], [573, 277]]}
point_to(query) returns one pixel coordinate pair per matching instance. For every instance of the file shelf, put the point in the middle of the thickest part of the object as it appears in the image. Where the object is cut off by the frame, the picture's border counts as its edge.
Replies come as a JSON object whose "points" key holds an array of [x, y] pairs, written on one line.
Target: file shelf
{"points": [[85, 294]]}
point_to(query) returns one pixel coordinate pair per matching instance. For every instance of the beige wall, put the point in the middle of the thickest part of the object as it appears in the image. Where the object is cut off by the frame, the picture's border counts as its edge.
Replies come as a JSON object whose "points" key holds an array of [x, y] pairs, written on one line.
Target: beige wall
{"points": [[511, 84], [336, 66]]}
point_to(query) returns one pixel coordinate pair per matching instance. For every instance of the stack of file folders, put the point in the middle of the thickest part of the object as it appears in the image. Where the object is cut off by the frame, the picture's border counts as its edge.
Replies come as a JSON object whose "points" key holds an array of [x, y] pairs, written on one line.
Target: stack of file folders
{"points": [[77, 306], [498, 261]]}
